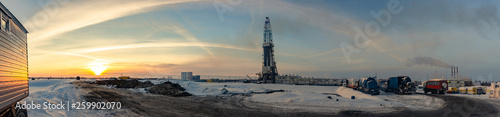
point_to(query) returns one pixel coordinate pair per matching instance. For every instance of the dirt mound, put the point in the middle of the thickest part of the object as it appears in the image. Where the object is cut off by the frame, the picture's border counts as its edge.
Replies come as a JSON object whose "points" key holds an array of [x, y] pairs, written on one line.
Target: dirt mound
{"points": [[133, 83], [170, 89]]}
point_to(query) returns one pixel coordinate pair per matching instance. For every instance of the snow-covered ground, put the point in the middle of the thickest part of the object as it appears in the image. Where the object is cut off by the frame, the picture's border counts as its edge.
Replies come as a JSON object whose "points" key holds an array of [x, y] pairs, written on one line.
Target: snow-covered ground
{"points": [[55, 91], [315, 98], [296, 96]]}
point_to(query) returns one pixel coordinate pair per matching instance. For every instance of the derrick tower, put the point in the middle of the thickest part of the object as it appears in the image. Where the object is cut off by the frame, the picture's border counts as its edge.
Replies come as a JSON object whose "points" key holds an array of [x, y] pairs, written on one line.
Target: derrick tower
{"points": [[269, 70]]}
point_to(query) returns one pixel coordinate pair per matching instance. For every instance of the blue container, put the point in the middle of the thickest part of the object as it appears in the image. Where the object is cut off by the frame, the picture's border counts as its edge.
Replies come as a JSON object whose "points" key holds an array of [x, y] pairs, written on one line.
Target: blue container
{"points": [[393, 82]]}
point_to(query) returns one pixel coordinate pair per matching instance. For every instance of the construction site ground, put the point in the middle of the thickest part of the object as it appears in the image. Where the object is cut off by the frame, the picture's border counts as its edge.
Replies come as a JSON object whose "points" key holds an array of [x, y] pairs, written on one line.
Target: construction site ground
{"points": [[143, 104]]}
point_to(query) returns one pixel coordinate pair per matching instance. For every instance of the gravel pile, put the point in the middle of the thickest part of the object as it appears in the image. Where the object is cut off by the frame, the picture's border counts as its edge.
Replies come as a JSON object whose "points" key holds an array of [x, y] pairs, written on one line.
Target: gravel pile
{"points": [[170, 89]]}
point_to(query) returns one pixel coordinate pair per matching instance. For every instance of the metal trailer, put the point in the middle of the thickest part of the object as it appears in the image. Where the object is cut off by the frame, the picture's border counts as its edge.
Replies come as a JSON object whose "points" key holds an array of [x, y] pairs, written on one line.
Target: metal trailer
{"points": [[400, 85], [337, 82], [14, 79], [474, 90], [369, 86], [467, 90], [345, 82]]}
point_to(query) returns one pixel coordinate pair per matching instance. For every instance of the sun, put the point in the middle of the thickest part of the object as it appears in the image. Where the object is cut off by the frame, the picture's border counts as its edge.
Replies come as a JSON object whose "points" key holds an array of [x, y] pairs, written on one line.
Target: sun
{"points": [[98, 66]]}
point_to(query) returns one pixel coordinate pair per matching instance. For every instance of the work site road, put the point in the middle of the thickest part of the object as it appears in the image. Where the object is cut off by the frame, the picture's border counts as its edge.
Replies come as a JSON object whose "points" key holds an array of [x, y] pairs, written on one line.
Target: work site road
{"points": [[455, 106]]}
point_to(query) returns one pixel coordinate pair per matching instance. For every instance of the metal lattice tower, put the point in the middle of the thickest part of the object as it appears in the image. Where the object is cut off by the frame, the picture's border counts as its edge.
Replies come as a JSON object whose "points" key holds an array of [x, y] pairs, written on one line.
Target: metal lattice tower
{"points": [[269, 71]]}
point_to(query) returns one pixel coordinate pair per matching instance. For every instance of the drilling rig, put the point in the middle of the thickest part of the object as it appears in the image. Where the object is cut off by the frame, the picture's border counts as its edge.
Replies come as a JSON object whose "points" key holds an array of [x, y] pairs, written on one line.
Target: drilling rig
{"points": [[269, 70]]}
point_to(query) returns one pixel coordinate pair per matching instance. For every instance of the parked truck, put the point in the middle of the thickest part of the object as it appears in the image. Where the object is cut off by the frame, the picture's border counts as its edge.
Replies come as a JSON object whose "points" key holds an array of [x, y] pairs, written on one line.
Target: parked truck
{"points": [[14, 79], [435, 86], [369, 86], [399, 85]]}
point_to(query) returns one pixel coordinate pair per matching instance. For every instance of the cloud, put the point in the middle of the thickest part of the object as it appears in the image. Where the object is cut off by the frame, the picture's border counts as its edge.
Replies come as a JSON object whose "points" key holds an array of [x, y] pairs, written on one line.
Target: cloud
{"points": [[423, 60], [163, 44], [182, 32], [58, 17], [145, 64], [473, 17], [324, 53]]}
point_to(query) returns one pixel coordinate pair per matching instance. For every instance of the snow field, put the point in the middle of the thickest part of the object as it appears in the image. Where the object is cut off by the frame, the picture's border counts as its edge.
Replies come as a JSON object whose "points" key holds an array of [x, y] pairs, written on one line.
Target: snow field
{"points": [[299, 96]]}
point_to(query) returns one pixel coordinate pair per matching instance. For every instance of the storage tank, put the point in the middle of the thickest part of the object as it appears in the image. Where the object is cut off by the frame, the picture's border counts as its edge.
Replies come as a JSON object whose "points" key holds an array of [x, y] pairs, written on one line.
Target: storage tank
{"points": [[468, 90]]}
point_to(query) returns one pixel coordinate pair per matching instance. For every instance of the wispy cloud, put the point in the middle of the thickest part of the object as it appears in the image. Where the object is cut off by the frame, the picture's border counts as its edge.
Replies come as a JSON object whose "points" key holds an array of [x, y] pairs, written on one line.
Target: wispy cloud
{"points": [[190, 37], [163, 44], [52, 21], [182, 32]]}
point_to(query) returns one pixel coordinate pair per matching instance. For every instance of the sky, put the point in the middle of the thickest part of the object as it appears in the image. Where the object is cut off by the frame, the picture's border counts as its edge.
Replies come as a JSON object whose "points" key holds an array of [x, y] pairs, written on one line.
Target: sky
{"points": [[218, 38]]}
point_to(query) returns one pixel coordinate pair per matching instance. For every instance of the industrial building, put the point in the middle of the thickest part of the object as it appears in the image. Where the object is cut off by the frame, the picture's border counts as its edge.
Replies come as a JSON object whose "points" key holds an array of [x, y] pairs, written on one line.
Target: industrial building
{"points": [[14, 62], [186, 75], [189, 76]]}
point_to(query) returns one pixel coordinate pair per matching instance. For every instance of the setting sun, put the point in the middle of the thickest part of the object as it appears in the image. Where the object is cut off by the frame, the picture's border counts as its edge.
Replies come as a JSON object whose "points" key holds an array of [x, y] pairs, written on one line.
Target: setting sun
{"points": [[98, 67]]}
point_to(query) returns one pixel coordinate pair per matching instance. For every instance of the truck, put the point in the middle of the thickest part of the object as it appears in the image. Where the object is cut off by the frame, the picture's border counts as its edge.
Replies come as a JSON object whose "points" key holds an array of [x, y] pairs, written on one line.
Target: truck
{"points": [[14, 81], [399, 85], [369, 86], [435, 86], [353, 83]]}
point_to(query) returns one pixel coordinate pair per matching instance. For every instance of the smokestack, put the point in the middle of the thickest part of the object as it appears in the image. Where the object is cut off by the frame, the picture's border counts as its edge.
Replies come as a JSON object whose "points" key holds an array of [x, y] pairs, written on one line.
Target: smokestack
{"points": [[456, 70], [452, 70]]}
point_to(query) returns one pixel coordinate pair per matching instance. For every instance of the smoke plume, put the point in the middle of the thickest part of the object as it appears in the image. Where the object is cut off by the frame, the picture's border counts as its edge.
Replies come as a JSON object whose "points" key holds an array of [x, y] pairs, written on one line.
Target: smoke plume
{"points": [[423, 60]]}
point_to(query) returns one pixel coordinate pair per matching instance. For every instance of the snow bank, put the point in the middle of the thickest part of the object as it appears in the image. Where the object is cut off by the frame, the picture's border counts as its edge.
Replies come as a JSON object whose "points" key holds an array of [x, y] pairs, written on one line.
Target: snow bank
{"points": [[348, 92], [54, 91]]}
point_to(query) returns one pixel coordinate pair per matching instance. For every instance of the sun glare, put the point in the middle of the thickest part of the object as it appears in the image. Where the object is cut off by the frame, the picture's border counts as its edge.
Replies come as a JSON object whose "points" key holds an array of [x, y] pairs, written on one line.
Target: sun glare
{"points": [[98, 67]]}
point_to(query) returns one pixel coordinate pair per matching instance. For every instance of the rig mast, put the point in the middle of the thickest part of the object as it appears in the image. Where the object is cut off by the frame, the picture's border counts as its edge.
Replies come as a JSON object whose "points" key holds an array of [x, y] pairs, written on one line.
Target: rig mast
{"points": [[269, 70]]}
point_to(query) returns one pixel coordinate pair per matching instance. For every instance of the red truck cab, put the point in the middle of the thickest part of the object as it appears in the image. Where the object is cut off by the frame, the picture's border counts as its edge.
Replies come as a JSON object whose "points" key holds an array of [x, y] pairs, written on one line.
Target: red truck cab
{"points": [[435, 86]]}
